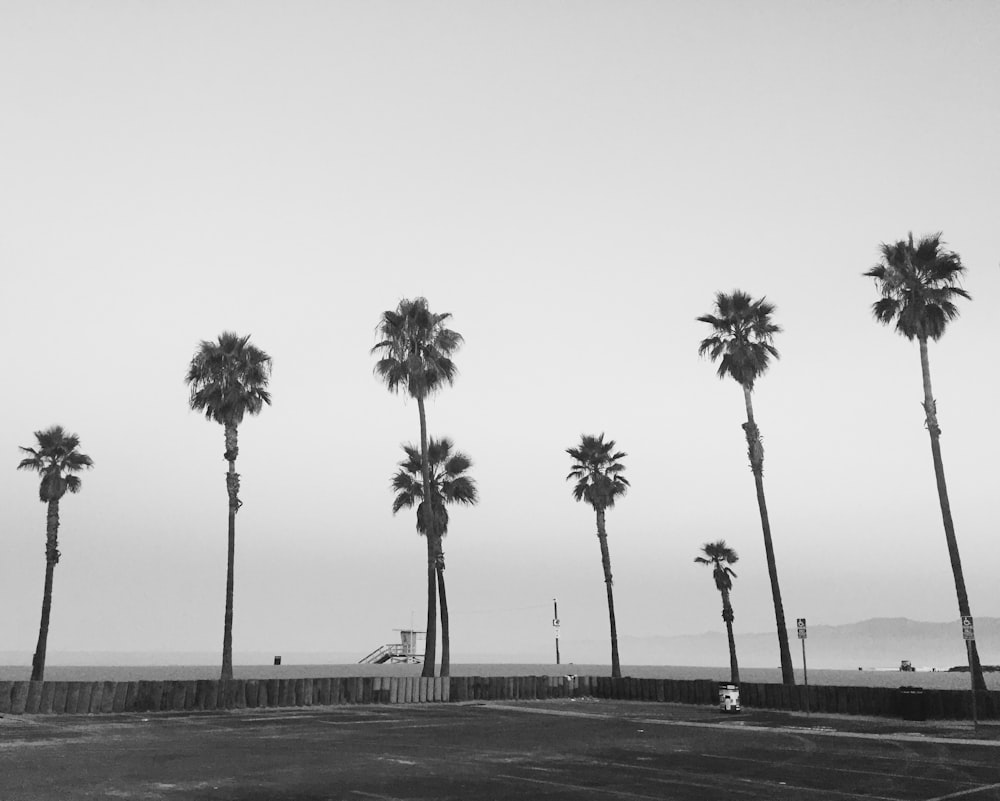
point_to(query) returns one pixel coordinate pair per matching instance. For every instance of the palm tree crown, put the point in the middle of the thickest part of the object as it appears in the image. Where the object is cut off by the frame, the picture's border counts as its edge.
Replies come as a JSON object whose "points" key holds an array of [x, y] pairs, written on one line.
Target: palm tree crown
{"points": [[229, 379], [416, 349], [56, 459], [917, 282], [742, 338], [598, 472], [448, 482], [720, 556]]}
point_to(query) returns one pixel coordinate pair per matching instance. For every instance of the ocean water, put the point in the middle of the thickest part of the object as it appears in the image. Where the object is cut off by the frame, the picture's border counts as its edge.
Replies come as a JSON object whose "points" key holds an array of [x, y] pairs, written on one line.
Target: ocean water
{"points": [[871, 678]]}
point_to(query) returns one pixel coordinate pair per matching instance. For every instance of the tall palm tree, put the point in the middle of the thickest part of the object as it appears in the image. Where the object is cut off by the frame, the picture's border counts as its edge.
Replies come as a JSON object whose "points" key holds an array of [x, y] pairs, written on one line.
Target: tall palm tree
{"points": [[597, 470], [56, 458], [415, 352], [449, 484], [720, 556], [917, 282], [742, 343], [228, 380]]}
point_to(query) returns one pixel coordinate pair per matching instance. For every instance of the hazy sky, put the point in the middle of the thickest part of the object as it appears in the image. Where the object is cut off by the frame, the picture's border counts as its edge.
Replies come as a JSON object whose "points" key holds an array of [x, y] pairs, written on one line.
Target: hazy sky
{"points": [[573, 182]]}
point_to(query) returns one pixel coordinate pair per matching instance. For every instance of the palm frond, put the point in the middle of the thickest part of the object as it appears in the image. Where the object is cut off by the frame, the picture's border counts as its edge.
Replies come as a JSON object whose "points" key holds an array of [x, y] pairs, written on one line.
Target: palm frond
{"points": [[228, 379], [718, 551], [448, 482], [742, 336], [457, 464], [461, 490], [438, 451], [918, 286], [597, 471], [416, 348], [56, 458], [719, 556]]}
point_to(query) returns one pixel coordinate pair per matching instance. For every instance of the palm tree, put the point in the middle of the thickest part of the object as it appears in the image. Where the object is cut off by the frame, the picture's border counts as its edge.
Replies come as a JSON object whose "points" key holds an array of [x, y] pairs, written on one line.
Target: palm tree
{"points": [[720, 556], [415, 352], [918, 287], [741, 341], [55, 459], [228, 381], [449, 484], [597, 470]]}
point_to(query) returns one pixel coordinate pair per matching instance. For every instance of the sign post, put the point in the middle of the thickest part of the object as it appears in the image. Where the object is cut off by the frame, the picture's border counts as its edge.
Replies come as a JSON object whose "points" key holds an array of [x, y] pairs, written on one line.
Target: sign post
{"points": [[800, 624], [555, 623], [969, 635]]}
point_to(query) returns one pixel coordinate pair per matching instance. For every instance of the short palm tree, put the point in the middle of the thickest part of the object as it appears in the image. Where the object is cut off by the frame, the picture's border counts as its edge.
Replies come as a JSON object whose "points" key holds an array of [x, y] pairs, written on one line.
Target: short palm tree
{"points": [[720, 556], [742, 342], [917, 282], [55, 458], [228, 380], [415, 350], [449, 484], [597, 470]]}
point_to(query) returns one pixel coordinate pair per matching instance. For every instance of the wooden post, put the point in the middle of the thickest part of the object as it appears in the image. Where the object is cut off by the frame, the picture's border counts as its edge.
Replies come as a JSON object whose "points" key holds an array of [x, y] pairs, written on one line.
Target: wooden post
{"points": [[121, 692], [48, 693], [108, 696], [34, 697], [131, 697], [83, 700]]}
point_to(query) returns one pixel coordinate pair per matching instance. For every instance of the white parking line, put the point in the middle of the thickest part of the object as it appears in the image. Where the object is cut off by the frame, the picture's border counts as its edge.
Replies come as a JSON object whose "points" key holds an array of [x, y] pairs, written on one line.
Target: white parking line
{"points": [[750, 727], [962, 793], [773, 785], [670, 776], [775, 763], [580, 788]]}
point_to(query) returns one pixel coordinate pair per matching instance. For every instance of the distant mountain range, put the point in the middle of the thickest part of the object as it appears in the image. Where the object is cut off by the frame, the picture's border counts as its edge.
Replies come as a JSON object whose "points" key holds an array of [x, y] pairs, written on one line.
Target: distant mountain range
{"points": [[875, 643]]}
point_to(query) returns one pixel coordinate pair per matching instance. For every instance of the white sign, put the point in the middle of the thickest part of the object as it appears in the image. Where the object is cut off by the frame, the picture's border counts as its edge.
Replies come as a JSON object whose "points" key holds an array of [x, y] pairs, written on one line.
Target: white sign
{"points": [[555, 622], [800, 624], [968, 631]]}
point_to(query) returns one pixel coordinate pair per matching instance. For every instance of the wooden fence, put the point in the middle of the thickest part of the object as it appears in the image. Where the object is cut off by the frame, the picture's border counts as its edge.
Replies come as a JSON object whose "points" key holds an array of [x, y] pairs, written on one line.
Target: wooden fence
{"points": [[86, 697]]}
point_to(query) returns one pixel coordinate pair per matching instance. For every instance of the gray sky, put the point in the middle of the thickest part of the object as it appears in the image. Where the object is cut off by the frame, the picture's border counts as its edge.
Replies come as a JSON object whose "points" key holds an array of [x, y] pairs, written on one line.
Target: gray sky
{"points": [[573, 182]]}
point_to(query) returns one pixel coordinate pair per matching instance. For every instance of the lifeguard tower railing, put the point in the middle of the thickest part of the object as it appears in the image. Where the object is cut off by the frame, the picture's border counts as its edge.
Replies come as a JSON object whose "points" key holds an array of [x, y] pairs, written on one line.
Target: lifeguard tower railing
{"points": [[384, 653], [403, 651]]}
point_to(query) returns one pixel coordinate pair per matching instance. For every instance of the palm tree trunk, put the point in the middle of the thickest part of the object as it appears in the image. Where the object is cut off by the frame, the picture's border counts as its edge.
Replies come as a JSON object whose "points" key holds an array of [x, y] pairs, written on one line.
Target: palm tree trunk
{"points": [[602, 536], [51, 558], [930, 409], [756, 454], [445, 634], [232, 489], [430, 641], [727, 615]]}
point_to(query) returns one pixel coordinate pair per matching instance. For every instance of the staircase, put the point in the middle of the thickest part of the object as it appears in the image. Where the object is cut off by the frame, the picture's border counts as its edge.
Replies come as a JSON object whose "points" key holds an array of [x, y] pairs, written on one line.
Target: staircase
{"points": [[393, 652]]}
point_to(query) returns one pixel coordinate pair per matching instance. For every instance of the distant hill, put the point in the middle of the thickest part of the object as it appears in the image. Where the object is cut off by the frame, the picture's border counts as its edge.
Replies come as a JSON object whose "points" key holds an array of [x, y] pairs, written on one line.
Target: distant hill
{"points": [[879, 642]]}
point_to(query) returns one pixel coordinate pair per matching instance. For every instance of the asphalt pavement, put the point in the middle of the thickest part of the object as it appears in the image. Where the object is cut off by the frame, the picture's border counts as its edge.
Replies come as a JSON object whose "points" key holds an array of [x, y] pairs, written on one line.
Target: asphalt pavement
{"points": [[567, 749]]}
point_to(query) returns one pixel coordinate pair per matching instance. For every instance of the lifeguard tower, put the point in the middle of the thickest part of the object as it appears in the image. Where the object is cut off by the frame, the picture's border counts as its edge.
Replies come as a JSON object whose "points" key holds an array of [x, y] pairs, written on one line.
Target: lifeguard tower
{"points": [[406, 650]]}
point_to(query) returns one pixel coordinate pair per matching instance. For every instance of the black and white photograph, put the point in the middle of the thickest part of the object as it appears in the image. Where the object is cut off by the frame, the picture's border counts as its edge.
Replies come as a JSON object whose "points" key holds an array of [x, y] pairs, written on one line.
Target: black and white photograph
{"points": [[499, 399]]}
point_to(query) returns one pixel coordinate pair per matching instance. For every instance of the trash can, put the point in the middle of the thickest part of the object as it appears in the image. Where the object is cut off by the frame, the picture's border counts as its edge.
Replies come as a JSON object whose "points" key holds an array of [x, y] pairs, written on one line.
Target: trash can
{"points": [[729, 697], [911, 703]]}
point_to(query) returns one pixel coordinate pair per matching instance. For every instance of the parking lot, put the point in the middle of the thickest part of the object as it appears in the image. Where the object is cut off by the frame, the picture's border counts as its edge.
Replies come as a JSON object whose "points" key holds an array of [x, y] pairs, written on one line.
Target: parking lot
{"points": [[568, 749]]}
